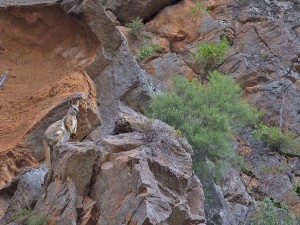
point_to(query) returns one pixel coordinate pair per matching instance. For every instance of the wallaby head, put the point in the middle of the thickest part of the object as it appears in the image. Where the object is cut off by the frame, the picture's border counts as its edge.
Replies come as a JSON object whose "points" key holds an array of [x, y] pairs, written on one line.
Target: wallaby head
{"points": [[74, 110]]}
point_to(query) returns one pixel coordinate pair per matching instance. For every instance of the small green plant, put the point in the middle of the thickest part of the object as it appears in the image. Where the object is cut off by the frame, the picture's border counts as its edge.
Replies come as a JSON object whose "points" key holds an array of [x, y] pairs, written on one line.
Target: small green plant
{"points": [[211, 54], [206, 115], [27, 216], [263, 55], [296, 187], [136, 27], [37, 219], [148, 51], [284, 141], [177, 134], [22, 215], [196, 11], [268, 214], [264, 169]]}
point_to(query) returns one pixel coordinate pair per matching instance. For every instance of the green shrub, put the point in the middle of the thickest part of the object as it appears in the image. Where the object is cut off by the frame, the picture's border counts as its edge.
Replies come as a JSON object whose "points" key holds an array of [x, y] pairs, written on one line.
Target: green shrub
{"points": [[206, 115], [284, 141], [196, 12], [268, 214], [37, 219], [211, 54], [21, 216], [148, 51], [198, 9], [27, 216], [136, 27]]}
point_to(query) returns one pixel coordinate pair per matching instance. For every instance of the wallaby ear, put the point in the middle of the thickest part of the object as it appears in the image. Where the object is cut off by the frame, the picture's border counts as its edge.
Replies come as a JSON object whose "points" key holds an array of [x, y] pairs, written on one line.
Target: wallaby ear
{"points": [[77, 103], [70, 103]]}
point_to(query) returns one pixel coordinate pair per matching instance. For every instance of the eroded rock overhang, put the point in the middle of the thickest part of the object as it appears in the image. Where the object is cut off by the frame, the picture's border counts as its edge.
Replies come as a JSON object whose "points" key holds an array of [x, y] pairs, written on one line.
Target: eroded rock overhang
{"points": [[55, 50]]}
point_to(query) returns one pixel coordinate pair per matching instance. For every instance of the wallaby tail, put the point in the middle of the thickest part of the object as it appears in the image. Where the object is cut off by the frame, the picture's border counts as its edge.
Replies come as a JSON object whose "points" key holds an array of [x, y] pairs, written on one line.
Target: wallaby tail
{"points": [[47, 150]]}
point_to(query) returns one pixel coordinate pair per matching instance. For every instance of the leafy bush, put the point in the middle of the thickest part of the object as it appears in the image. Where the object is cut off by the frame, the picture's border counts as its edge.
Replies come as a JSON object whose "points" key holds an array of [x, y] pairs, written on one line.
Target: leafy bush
{"points": [[268, 214], [206, 115], [211, 54], [27, 216], [148, 51], [284, 141], [136, 27]]}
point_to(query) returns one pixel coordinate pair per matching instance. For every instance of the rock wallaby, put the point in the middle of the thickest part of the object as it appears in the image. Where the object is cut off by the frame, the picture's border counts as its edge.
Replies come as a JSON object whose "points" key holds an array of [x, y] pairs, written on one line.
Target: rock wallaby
{"points": [[58, 133]]}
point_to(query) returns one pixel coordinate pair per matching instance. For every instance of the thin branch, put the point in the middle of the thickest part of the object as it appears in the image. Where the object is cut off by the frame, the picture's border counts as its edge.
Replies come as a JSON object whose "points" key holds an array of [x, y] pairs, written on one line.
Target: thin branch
{"points": [[283, 89], [290, 69], [292, 82]]}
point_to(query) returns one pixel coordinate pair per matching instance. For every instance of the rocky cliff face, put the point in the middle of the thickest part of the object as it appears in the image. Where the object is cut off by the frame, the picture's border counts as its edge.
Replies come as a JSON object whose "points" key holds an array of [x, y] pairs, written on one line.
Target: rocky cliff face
{"points": [[137, 176], [265, 39], [128, 169], [129, 178]]}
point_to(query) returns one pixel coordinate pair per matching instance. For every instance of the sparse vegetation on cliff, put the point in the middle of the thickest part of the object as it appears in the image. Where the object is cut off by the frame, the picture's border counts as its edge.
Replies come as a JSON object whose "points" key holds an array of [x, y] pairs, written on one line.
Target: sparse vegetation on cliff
{"points": [[148, 51], [206, 117], [268, 214], [136, 27], [27, 216], [285, 141], [211, 54], [197, 10]]}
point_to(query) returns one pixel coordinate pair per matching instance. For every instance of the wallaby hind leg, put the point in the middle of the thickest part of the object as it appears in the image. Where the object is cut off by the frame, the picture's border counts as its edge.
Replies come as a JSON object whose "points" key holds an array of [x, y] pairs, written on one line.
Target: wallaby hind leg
{"points": [[48, 154]]}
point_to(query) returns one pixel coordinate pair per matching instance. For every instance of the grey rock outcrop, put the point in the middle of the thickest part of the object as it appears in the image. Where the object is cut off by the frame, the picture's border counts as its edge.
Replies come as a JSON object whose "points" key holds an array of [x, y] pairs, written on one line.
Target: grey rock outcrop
{"points": [[122, 81], [23, 191], [236, 195], [133, 177], [73, 166]]}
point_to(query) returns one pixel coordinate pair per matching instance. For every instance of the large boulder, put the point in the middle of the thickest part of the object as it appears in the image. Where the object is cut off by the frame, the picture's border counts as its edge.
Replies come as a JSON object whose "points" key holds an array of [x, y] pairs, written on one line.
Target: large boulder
{"points": [[168, 66]]}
